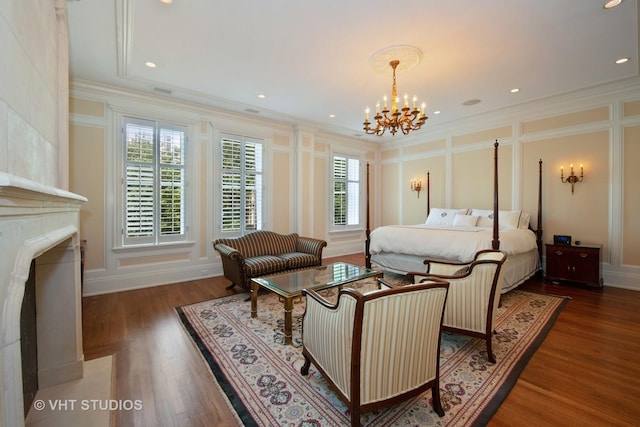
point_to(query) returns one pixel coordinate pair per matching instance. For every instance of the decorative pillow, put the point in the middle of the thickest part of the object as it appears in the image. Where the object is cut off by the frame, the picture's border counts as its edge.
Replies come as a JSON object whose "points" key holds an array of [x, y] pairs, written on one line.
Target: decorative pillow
{"points": [[485, 217], [509, 219], [525, 219], [506, 219], [443, 217], [465, 220]]}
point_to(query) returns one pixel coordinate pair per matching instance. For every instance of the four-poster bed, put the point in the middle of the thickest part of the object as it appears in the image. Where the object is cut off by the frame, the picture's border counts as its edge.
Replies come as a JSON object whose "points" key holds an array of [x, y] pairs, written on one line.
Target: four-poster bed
{"points": [[401, 249]]}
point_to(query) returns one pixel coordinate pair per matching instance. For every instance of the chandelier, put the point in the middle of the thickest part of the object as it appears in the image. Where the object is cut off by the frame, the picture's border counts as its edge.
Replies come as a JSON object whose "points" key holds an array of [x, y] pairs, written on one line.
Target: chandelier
{"points": [[404, 119]]}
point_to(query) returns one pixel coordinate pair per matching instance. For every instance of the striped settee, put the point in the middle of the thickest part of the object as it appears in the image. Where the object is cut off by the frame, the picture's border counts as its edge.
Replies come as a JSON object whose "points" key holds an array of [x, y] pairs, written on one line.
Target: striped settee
{"points": [[266, 252]]}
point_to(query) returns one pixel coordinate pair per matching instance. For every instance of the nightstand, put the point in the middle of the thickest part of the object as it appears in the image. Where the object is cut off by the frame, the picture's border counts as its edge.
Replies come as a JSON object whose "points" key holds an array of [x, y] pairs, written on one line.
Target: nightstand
{"points": [[573, 263]]}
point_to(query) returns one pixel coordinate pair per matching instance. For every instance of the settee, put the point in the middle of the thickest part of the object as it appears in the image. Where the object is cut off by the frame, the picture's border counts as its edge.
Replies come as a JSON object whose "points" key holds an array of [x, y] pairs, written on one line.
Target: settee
{"points": [[266, 252]]}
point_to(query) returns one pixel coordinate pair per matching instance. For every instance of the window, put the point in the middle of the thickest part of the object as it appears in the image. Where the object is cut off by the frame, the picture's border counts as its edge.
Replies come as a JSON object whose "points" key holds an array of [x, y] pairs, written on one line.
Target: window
{"points": [[241, 184], [346, 193], [154, 183]]}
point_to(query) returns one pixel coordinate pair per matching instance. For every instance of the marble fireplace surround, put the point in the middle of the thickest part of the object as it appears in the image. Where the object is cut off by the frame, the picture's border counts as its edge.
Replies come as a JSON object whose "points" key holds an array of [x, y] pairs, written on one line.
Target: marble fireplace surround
{"points": [[42, 223]]}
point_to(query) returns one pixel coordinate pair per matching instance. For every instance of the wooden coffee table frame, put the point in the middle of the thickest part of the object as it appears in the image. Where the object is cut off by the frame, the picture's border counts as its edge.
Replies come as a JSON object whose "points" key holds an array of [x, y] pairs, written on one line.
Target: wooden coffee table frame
{"points": [[289, 295]]}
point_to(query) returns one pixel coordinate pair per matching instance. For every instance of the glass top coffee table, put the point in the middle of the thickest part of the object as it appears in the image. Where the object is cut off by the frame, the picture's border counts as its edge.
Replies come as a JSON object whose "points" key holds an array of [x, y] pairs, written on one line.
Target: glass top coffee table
{"points": [[289, 285]]}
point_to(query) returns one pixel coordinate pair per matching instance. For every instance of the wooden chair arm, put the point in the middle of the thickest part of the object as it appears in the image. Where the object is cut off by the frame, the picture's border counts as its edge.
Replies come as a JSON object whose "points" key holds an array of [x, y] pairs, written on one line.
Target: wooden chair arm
{"points": [[310, 293], [384, 284]]}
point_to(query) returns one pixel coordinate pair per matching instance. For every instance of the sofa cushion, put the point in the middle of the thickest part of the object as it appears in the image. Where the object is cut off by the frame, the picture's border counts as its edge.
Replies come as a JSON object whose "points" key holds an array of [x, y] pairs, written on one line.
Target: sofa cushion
{"points": [[240, 244], [299, 259], [265, 264], [276, 244]]}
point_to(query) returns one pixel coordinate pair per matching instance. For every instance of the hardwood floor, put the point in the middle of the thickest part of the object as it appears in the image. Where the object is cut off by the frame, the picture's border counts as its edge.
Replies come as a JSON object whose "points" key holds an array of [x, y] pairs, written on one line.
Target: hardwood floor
{"points": [[586, 372]]}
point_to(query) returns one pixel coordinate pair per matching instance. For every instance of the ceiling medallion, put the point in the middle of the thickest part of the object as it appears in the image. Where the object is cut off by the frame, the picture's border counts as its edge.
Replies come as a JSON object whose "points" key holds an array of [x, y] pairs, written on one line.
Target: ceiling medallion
{"points": [[405, 119]]}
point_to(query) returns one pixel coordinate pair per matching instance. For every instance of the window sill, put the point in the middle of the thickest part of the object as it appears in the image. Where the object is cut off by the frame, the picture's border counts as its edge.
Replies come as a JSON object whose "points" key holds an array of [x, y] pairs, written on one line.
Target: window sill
{"points": [[353, 232], [151, 247]]}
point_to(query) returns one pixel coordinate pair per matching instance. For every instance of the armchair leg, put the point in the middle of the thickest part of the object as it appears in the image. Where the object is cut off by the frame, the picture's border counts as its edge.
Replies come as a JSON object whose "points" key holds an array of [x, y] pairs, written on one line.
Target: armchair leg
{"points": [[355, 416], [437, 404], [490, 356], [304, 370], [231, 285]]}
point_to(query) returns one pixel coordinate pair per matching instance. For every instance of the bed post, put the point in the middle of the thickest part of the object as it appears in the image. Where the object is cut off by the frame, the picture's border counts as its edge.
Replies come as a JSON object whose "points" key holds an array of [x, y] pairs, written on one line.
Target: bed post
{"points": [[367, 242], [539, 228], [495, 243]]}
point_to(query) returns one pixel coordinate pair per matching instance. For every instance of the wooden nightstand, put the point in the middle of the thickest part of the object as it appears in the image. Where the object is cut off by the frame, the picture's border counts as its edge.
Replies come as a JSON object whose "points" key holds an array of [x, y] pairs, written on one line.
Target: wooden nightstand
{"points": [[572, 263]]}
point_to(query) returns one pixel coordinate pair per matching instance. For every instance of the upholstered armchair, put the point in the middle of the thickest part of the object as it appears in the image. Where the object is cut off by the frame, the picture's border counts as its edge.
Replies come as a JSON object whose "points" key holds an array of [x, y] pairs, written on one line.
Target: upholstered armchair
{"points": [[474, 294], [379, 348]]}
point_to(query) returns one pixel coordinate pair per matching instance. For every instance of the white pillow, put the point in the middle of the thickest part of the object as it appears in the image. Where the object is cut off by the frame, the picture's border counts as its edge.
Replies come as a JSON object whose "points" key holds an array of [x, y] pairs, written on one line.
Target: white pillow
{"points": [[443, 217], [465, 220], [525, 219], [485, 217], [506, 219]]}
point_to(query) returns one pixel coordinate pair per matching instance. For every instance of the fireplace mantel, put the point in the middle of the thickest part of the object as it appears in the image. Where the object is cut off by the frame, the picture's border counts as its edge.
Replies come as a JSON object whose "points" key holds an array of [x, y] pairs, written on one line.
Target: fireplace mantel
{"points": [[15, 187], [39, 222]]}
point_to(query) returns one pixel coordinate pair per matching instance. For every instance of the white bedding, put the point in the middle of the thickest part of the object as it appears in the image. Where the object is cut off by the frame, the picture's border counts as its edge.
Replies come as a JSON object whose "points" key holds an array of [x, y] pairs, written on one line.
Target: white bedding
{"points": [[450, 243]]}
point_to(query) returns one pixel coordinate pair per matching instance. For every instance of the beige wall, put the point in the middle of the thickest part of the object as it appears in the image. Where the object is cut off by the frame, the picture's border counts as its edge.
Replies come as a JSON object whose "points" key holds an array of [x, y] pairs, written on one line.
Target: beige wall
{"points": [[602, 135], [86, 147], [281, 191], [297, 179], [631, 213], [473, 178], [320, 195], [389, 194], [603, 209], [585, 214], [415, 208]]}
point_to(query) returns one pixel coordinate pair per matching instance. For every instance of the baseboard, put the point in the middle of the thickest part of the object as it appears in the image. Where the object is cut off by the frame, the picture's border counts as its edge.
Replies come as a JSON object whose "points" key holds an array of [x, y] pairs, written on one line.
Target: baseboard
{"points": [[101, 282]]}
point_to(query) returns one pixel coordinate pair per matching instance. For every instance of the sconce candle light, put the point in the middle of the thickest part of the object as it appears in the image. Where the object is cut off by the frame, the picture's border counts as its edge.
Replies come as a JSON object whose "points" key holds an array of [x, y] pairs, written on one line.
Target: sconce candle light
{"points": [[572, 178], [416, 185]]}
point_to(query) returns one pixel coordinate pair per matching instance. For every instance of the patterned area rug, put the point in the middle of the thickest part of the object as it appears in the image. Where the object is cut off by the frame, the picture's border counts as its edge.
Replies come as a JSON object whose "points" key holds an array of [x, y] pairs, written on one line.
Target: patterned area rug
{"points": [[261, 375]]}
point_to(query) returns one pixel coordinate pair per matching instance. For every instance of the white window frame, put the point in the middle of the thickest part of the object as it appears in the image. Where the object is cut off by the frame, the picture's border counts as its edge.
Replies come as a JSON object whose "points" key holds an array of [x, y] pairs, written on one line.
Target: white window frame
{"points": [[353, 220], [244, 175], [156, 238]]}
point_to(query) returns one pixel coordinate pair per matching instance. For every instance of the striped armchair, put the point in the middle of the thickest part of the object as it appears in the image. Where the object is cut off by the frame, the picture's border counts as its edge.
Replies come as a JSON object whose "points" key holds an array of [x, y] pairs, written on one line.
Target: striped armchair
{"points": [[379, 348], [474, 294]]}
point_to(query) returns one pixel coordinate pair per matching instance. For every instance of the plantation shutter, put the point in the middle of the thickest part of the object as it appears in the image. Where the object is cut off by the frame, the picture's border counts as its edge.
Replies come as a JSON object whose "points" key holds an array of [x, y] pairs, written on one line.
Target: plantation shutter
{"points": [[139, 180], [346, 193], [253, 186], [231, 185], [241, 184], [339, 191], [353, 192], [154, 184], [171, 182]]}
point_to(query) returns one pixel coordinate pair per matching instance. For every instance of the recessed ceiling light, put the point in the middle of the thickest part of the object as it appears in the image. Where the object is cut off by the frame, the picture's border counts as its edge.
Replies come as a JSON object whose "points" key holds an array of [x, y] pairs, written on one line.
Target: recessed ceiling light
{"points": [[332, 115], [515, 90], [611, 4], [436, 112], [150, 64], [166, 1], [261, 96], [622, 60]]}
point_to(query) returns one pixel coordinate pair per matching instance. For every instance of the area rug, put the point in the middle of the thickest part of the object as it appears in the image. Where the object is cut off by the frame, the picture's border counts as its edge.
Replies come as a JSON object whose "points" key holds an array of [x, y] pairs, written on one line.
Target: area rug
{"points": [[260, 375]]}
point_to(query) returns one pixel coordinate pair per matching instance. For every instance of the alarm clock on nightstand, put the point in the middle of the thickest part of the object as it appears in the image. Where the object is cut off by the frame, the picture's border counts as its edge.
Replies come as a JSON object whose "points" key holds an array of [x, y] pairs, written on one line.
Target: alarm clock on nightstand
{"points": [[559, 239]]}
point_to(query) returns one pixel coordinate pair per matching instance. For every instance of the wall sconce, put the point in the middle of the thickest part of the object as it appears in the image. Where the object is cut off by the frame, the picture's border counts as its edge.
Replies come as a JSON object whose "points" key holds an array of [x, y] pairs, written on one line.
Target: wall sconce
{"points": [[416, 185], [572, 178]]}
